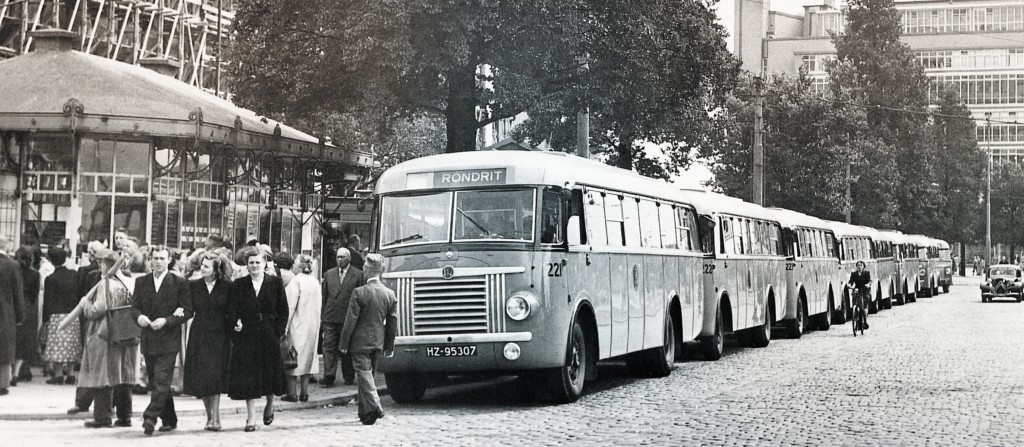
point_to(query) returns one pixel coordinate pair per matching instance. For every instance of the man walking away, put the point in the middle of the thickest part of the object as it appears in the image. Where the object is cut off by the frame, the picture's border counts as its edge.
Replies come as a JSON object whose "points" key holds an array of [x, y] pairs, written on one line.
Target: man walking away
{"points": [[12, 310], [370, 328], [157, 297], [338, 284]]}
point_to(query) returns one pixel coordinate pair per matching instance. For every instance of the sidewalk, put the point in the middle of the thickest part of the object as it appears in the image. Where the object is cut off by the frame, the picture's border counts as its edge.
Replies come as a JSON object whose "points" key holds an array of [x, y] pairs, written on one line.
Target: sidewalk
{"points": [[36, 400]]}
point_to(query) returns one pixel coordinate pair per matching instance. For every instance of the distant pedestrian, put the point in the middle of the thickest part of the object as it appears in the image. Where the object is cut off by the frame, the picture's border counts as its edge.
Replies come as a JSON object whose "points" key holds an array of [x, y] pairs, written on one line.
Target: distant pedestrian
{"points": [[12, 311], [27, 349], [258, 311], [338, 284], [370, 329], [304, 302], [355, 247], [156, 302], [60, 297], [208, 352], [283, 263]]}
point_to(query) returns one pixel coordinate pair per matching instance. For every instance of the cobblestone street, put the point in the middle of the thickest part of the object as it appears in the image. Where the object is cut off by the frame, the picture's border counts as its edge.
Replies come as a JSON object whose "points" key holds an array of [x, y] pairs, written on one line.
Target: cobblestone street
{"points": [[942, 371]]}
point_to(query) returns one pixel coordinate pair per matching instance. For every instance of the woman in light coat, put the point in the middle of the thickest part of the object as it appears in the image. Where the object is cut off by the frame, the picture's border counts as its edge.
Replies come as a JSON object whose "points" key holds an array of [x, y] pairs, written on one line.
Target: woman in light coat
{"points": [[304, 301]]}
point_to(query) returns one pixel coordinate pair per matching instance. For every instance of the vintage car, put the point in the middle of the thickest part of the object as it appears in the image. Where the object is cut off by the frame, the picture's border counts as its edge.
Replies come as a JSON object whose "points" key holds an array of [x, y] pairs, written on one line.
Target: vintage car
{"points": [[1002, 281]]}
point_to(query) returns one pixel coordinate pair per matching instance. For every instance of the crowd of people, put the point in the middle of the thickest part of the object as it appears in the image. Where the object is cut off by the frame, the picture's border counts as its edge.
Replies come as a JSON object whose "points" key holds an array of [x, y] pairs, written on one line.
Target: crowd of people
{"points": [[144, 318]]}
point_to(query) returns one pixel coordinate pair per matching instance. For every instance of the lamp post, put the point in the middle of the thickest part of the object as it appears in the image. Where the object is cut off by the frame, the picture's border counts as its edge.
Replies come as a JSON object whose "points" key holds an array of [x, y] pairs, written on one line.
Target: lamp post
{"points": [[988, 195]]}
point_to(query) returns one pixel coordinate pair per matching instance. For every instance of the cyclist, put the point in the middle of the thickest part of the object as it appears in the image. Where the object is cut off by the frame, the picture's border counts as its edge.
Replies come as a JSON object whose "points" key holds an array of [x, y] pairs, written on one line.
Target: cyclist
{"points": [[860, 280]]}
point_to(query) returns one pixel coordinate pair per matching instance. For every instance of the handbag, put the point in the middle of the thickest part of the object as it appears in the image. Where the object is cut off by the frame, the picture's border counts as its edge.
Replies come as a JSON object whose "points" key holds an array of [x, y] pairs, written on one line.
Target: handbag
{"points": [[289, 355], [121, 328]]}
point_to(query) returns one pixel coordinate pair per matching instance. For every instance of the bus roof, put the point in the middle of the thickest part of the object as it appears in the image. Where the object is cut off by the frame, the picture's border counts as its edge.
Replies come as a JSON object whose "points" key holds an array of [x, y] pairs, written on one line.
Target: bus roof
{"points": [[714, 203], [843, 229], [793, 219], [519, 168]]}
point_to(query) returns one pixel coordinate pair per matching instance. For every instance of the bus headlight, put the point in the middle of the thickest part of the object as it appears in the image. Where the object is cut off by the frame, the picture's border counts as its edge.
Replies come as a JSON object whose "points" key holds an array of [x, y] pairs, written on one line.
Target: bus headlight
{"points": [[519, 306]]}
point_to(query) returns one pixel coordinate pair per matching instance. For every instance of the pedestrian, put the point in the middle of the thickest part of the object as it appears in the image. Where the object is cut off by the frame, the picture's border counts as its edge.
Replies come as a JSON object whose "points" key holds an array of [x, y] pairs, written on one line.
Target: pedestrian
{"points": [[258, 311], [208, 352], [338, 284], [284, 262], [12, 311], [304, 299], [369, 331], [356, 250], [27, 346], [156, 302], [60, 297], [108, 366]]}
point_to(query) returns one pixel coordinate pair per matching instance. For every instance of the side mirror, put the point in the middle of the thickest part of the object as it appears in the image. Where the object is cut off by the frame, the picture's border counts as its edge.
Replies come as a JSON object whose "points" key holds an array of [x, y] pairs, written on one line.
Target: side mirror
{"points": [[572, 231]]}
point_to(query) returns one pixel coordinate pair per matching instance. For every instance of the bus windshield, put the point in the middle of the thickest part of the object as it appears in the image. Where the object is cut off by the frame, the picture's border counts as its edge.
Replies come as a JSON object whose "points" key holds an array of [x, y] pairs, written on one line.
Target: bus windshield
{"points": [[475, 215]]}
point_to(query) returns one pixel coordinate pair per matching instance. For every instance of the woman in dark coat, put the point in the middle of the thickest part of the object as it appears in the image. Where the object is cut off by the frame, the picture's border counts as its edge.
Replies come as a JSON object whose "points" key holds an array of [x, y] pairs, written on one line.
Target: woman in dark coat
{"points": [[258, 313], [208, 351], [60, 297], [27, 347]]}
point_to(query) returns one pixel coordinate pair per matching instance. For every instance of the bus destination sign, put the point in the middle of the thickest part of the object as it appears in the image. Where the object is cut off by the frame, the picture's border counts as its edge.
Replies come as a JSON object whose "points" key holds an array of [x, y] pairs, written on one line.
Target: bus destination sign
{"points": [[474, 177]]}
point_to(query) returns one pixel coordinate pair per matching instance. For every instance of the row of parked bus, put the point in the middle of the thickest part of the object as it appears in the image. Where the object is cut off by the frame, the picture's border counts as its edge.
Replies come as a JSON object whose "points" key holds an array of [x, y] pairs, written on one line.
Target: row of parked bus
{"points": [[541, 264]]}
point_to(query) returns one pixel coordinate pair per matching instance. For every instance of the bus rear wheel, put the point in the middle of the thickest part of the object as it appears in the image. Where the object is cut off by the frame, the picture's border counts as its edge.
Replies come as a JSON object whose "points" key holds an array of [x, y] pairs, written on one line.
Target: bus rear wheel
{"points": [[945, 288], [825, 318], [760, 337], [566, 383], [656, 362], [839, 316], [405, 387], [713, 346]]}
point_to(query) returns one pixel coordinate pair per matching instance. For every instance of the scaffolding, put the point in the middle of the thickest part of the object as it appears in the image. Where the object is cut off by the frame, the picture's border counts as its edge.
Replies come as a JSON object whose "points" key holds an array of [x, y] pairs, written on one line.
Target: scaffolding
{"points": [[189, 33]]}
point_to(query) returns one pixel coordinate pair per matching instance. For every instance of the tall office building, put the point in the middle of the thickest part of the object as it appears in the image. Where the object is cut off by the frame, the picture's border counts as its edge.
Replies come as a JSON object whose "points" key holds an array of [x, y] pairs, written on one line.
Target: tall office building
{"points": [[975, 46]]}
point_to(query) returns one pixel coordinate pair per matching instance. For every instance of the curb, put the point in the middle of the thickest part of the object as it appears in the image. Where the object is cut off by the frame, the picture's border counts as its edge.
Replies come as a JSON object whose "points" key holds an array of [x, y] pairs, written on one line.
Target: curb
{"points": [[335, 401]]}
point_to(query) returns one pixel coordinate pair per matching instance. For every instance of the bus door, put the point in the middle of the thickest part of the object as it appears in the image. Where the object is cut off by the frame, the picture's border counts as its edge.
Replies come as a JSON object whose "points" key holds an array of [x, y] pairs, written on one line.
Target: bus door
{"points": [[635, 273]]}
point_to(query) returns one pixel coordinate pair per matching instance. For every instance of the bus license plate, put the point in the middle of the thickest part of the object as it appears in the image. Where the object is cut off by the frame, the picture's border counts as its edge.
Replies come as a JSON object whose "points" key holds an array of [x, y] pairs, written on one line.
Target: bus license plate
{"points": [[451, 351]]}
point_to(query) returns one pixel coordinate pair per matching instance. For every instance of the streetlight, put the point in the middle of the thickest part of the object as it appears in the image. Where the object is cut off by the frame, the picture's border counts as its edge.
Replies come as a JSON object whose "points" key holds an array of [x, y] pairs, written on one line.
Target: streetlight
{"points": [[988, 195]]}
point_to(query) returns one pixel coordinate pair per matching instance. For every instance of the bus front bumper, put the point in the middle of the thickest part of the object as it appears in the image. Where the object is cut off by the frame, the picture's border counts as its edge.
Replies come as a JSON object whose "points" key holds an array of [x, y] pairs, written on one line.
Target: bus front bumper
{"points": [[458, 353]]}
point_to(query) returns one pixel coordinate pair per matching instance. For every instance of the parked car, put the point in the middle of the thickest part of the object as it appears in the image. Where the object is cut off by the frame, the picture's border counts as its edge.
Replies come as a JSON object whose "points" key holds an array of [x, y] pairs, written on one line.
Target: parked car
{"points": [[1002, 281]]}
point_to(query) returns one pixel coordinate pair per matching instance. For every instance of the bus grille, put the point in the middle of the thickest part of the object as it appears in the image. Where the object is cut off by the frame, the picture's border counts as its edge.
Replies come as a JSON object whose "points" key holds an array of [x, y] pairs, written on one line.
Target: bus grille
{"points": [[464, 305]]}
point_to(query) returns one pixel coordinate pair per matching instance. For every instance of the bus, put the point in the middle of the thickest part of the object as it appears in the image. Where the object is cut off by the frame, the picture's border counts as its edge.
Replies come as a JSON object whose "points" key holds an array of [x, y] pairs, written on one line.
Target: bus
{"points": [[749, 291], [813, 280], [856, 245], [928, 268], [886, 266], [908, 265], [944, 265], [537, 264]]}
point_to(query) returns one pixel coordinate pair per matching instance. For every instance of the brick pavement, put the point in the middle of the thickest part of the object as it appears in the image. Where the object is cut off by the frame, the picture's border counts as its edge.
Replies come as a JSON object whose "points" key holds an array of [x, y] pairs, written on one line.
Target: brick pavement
{"points": [[942, 371]]}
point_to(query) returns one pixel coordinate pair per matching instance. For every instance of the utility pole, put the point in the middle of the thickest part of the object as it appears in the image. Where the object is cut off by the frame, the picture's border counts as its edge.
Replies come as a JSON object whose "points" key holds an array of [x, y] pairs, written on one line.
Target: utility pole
{"points": [[758, 149], [988, 195], [583, 116], [849, 196]]}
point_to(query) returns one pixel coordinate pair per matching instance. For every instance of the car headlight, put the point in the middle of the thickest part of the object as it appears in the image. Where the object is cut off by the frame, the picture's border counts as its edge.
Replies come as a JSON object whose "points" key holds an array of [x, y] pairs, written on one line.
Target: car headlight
{"points": [[520, 305]]}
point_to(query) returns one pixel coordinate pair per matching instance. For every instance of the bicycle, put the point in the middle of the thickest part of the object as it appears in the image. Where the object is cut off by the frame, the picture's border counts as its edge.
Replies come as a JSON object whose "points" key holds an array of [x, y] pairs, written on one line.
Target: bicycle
{"points": [[858, 320]]}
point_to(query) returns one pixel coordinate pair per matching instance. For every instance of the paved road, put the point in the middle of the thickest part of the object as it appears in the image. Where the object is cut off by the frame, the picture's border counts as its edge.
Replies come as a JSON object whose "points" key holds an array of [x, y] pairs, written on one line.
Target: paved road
{"points": [[942, 371]]}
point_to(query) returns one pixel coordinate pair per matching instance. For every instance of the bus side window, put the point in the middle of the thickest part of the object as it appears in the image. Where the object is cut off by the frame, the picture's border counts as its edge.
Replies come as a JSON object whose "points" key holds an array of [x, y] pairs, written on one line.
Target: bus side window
{"points": [[744, 239], [613, 214], [631, 221], [830, 245], [774, 239], [669, 236], [727, 236], [691, 223], [684, 229], [650, 224], [593, 210], [552, 220], [755, 240]]}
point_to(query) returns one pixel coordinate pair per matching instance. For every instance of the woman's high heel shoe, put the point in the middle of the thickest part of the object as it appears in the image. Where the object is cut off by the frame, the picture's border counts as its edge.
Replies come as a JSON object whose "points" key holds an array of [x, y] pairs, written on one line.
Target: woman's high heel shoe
{"points": [[267, 420], [249, 428]]}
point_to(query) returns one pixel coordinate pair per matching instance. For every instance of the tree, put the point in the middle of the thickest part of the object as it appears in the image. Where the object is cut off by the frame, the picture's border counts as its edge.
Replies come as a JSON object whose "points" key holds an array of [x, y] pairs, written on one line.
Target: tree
{"points": [[1008, 204], [452, 59], [808, 142], [874, 68]]}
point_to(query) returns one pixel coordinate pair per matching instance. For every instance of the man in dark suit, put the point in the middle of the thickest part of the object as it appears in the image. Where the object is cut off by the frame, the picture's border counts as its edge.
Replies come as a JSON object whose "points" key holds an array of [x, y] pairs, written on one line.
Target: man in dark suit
{"points": [[156, 298], [369, 331], [338, 284], [12, 310]]}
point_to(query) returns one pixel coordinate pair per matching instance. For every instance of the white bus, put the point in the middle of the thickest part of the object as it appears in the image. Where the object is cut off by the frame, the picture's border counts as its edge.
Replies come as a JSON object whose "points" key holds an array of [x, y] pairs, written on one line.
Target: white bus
{"points": [[944, 265], [535, 263], [935, 264], [856, 245], [749, 293], [904, 251], [886, 266], [813, 277]]}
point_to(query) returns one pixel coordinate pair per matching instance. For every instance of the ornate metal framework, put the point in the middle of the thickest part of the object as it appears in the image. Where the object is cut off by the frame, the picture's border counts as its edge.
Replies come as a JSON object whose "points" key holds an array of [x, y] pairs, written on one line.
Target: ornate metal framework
{"points": [[189, 32]]}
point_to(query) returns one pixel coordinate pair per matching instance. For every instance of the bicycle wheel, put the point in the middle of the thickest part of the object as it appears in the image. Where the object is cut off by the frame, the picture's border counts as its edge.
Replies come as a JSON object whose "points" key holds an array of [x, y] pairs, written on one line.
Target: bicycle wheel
{"points": [[855, 321]]}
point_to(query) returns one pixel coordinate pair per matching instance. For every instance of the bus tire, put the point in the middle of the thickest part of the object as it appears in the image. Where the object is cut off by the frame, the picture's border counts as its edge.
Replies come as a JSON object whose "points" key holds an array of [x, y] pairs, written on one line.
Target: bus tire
{"points": [[824, 320], [656, 362], [839, 316], [405, 387], [873, 306], [761, 336], [911, 297], [796, 327], [713, 346], [566, 383], [945, 289]]}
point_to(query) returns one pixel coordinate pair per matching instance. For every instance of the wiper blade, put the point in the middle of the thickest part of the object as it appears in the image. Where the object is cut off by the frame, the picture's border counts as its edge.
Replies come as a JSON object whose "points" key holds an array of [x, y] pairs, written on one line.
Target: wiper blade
{"points": [[404, 239], [470, 219]]}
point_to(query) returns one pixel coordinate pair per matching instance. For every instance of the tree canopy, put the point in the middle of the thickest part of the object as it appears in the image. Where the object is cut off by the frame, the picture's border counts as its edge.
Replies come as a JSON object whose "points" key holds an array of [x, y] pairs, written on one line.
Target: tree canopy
{"points": [[647, 70]]}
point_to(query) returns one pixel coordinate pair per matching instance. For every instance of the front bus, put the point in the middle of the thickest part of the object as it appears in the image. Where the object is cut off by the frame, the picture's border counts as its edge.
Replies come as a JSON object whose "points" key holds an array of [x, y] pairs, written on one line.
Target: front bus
{"points": [[945, 265], [534, 263]]}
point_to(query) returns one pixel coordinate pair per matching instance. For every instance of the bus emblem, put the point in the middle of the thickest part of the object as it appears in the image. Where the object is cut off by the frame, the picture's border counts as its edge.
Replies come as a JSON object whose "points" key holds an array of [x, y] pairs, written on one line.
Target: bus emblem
{"points": [[448, 272]]}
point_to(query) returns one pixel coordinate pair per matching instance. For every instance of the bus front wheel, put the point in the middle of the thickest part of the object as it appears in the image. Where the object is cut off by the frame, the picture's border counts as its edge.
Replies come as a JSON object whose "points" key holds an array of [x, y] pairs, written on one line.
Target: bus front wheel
{"points": [[567, 382], [405, 387], [712, 346]]}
